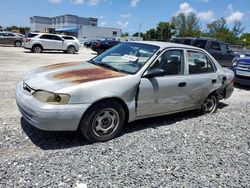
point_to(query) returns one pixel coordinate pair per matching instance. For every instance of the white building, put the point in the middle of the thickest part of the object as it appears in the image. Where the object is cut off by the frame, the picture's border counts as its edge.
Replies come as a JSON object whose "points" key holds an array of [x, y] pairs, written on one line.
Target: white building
{"points": [[83, 28]]}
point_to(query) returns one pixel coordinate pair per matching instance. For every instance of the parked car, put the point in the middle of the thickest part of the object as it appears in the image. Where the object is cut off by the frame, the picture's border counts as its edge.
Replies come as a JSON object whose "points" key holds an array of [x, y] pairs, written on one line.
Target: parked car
{"points": [[219, 50], [241, 69], [11, 38], [101, 46], [88, 43], [38, 42], [131, 81]]}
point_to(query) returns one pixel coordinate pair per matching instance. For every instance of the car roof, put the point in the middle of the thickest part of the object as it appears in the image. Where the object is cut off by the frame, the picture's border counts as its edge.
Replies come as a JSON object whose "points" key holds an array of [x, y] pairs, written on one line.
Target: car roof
{"points": [[166, 44]]}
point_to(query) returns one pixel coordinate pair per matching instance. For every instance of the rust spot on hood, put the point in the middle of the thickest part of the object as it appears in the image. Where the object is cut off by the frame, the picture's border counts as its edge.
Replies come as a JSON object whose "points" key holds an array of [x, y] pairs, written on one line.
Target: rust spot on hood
{"points": [[61, 65], [87, 75]]}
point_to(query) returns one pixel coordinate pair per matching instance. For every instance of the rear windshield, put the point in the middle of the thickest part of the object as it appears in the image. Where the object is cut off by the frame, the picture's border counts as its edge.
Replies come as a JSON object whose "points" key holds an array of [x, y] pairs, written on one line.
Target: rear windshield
{"points": [[31, 35], [200, 43]]}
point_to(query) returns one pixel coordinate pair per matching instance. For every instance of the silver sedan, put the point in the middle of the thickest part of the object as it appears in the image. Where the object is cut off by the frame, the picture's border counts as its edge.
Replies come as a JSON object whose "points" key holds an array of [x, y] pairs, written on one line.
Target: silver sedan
{"points": [[131, 81]]}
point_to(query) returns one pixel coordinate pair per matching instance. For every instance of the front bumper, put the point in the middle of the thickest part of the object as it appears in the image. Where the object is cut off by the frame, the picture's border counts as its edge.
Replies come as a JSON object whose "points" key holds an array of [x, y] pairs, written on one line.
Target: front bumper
{"points": [[46, 116]]}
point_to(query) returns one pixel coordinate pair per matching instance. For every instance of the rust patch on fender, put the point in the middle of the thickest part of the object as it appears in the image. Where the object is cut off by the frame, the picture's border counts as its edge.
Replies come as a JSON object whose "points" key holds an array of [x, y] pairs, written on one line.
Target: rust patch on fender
{"points": [[87, 75], [60, 65]]}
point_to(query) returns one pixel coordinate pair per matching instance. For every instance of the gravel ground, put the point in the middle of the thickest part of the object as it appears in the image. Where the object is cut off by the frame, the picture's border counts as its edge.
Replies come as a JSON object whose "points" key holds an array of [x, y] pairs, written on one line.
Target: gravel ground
{"points": [[181, 150]]}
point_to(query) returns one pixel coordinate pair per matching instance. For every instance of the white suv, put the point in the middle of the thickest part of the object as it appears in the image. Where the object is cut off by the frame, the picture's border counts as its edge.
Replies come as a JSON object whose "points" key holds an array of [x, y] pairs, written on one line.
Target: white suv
{"points": [[37, 42]]}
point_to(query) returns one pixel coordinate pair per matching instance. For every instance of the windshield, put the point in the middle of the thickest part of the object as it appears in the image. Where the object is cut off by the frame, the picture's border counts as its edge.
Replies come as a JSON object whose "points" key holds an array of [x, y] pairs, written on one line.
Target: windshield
{"points": [[126, 57]]}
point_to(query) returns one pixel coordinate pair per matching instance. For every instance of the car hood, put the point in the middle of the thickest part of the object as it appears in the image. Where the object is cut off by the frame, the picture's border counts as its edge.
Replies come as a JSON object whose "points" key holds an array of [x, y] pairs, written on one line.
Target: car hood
{"points": [[59, 76]]}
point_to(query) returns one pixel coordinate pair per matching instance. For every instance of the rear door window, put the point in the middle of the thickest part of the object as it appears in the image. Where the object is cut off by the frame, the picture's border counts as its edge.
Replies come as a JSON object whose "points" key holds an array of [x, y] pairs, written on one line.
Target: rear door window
{"points": [[200, 43], [199, 63], [68, 38], [215, 46], [50, 37]]}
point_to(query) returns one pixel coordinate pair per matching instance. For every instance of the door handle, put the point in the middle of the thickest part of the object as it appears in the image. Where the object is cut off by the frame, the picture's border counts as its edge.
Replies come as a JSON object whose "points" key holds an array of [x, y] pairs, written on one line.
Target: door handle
{"points": [[224, 78], [182, 84], [214, 81]]}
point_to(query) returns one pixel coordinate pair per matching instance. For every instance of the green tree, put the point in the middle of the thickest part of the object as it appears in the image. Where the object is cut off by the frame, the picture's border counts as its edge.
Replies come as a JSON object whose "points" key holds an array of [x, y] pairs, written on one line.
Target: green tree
{"points": [[218, 29], [151, 35], [245, 39], [187, 25], [165, 31], [126, 34]]}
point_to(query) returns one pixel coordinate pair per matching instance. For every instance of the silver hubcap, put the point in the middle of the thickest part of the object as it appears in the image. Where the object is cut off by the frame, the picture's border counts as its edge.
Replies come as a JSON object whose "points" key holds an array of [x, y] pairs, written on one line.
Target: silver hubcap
{"points": [[71, 50], [18, 44], [209, 105], [37, 50], [105, 122]]}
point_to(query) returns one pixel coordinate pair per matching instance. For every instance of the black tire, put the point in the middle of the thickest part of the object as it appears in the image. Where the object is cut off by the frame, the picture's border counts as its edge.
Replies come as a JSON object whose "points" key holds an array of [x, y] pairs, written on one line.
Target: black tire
{"points": [[71, 50], [210, 105], [18, 43], [104, 116], [37, 49]]}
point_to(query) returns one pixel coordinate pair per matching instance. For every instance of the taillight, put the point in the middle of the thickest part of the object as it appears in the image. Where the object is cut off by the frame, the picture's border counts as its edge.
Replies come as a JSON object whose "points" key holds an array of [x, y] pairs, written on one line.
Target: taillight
{"points": [[98, 45], [27, 40]]}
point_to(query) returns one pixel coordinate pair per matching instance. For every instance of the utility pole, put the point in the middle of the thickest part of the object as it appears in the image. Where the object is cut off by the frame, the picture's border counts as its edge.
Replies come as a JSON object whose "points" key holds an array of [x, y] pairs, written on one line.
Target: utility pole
{"points": [[139, 30]]}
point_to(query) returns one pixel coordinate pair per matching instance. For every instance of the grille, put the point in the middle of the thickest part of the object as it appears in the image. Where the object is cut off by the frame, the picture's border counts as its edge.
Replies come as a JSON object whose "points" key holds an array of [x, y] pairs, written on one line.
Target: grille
{"points": [[243, 66]]}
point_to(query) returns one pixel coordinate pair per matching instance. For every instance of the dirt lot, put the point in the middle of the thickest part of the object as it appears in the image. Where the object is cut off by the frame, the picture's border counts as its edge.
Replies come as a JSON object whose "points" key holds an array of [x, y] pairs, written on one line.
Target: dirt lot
{"points": [[182, 150]]}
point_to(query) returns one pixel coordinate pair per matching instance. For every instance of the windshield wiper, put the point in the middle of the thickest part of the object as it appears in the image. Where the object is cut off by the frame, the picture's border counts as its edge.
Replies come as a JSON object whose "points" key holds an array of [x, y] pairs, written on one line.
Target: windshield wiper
{"points": [[109, 66]]}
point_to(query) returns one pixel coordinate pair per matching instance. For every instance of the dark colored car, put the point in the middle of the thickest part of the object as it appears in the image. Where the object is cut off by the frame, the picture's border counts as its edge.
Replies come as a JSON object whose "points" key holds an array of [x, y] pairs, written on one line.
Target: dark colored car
{"points": [[88, 43], [241, 69], [219, 50], [101, 46], [10, 38]]}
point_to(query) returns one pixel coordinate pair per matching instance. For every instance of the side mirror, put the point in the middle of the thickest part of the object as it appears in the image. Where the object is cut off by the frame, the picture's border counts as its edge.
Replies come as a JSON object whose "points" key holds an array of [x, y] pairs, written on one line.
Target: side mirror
{"points": [[230, 51], [153, 73]]}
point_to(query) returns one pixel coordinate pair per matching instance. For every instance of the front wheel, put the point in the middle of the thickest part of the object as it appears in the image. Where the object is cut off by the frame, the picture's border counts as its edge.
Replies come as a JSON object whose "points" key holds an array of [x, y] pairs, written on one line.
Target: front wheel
{"points": [[103, 121], [210, 105]]}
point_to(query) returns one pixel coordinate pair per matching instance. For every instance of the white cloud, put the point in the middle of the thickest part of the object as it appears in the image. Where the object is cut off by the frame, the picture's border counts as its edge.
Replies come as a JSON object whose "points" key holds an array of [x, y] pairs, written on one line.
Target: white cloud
{"points": [[234, 15], [93, 2], [122, 25], [230, 8], [103, 23], [126, 15], [185, 8], [134, 3], [206, 15], [55, 1], [77, 2]]}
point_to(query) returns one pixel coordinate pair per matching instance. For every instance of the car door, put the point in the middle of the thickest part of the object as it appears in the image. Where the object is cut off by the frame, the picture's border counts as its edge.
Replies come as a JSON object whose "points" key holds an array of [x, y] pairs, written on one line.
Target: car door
{"points": [[1, 38], [57, 42], [227, 55], [215, 51], [9, 38], [167, 92], [202, 77]]}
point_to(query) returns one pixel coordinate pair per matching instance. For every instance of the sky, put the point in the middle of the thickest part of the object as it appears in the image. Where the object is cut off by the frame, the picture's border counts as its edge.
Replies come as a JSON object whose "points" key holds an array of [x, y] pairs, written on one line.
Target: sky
{"points": [[126, 14]]}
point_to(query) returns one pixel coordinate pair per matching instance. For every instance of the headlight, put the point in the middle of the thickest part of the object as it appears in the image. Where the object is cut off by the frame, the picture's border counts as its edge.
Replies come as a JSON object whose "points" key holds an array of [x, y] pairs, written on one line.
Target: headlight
{"points": [[234, 63], [51, 98]]}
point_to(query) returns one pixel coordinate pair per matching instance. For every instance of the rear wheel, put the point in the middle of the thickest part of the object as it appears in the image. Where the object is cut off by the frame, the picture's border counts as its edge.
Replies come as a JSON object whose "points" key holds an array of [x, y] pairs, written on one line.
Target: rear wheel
{"points": [[18, 44], [103, 121], [71, 50], [210, 105], [37, 49]]}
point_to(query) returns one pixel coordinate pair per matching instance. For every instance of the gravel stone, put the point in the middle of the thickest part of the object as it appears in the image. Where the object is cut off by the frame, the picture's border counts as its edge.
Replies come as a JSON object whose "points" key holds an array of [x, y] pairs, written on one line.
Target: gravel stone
{"points": [[180, 150]]}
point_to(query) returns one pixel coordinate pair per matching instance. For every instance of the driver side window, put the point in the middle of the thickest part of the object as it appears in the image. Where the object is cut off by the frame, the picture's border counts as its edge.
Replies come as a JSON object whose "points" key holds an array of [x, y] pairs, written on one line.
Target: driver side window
{"points": [[171, 62]]}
